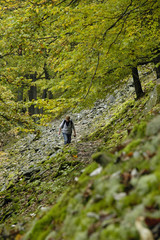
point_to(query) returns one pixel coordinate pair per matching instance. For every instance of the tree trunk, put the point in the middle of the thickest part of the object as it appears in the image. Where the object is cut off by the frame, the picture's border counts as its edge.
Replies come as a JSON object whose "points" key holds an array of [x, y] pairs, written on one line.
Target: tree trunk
{"points": [[157, 68], [158, 90], [156, 62], [20, 97], [47, 76], [50, 95], [32, 93], [45, 91], [44, 96], [137, 83], [20, 94], [46, 71]]}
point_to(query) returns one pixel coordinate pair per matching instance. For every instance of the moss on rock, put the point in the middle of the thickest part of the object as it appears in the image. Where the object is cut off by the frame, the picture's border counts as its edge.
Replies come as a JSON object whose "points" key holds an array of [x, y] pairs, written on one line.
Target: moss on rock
{"points": [[103, 158], [139, 130], [131, 146]]}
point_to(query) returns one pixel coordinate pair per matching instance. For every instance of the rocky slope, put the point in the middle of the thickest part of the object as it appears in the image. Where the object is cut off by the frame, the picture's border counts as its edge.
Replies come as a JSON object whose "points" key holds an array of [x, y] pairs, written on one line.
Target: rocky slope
{"points": [[35, 148], [102, 200]]}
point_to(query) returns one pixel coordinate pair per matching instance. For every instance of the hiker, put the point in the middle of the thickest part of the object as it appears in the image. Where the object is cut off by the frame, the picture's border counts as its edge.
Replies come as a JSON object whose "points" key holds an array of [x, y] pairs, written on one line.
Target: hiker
{"points": [[66, 127]]}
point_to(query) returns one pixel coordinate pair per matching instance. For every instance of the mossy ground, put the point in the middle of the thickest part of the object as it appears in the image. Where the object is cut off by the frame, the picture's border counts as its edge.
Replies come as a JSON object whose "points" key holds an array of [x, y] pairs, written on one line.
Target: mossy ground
{"points": [[25, 196], [108, 204], [99, 206]]}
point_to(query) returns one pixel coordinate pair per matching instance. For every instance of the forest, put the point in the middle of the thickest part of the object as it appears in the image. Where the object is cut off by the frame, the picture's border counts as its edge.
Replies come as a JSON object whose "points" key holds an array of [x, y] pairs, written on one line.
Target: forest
{"points": [[57, 55], [62, 57]]}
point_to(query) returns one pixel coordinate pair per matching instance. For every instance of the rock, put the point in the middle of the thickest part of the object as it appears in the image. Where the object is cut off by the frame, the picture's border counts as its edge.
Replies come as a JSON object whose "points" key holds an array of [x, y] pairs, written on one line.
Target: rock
{"points": [[119, 196], [111, 99], [84, 122], [93, 215], [51, 236], [131, 89], [134, 172], [156, 141], [57, 148], [153, 127], [102, 158], [96, 172], [136, 154], [53, 155], [30, 172], [116, 175], [152, 101], [98, 198]]}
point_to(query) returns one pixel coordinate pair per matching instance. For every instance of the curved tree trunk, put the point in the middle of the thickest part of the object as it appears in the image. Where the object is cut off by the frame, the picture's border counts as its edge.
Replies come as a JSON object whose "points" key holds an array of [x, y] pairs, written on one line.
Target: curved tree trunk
{"points": [[137, 83]]}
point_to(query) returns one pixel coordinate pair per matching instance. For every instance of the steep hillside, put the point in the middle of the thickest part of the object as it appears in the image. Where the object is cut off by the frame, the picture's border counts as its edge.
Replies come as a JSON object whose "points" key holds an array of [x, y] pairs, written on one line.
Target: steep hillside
{"points": [[97, 187]]}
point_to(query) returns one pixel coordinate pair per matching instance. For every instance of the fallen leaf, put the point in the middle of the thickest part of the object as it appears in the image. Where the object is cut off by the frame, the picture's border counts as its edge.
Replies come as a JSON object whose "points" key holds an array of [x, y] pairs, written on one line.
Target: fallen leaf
{"points": [[130, 154]]}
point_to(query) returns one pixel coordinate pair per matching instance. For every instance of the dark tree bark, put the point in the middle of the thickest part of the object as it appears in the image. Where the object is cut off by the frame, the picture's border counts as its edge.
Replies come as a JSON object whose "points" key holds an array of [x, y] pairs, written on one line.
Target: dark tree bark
{"points": [[46, 71], [45, 91], [44, 94], [20, 94], [20, 97], [50, 95], [20, 50], [157, 68], [32, 93], [47, 76], [137, 83]]}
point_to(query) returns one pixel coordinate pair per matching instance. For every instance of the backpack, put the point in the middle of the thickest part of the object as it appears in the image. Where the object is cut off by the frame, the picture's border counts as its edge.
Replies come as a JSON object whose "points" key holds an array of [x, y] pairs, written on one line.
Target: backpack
{"points": [[65, 122]]}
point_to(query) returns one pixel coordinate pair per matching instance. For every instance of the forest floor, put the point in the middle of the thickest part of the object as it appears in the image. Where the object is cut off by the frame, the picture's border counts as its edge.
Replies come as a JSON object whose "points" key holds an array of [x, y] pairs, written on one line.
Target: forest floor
{"points": [[44, 181], [86, 149], [40, 185]]}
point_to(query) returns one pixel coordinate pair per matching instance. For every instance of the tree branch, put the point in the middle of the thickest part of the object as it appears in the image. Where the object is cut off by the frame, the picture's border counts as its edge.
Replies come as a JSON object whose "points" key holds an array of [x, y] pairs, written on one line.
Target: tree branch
{"points": [[60, 3], [125, 13], [119, 18], [72, 2], [116, 38], [5, 117], [92, 77], [7, 54]]}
